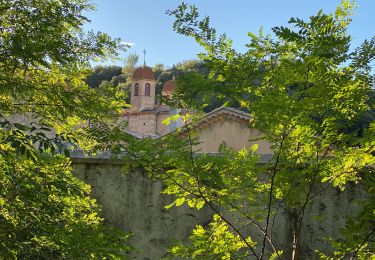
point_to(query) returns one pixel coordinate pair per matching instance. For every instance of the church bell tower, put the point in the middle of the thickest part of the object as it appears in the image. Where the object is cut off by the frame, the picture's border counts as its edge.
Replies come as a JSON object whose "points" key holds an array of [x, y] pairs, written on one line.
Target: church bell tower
{"points": [[143, 89]]}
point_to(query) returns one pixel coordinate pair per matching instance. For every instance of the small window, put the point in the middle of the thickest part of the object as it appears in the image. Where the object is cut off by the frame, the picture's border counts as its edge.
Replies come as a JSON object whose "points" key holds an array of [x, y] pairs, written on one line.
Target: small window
{"points": [[147, 89], [136, 89]]}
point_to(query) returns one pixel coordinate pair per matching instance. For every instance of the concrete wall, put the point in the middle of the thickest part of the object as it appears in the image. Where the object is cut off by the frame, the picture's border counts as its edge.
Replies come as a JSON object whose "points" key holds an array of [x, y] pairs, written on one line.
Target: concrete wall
{"points": [[133, 203]]}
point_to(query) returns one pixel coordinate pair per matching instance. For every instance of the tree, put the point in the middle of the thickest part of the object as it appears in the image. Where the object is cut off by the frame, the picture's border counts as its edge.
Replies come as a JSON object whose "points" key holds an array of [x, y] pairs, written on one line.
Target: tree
{"points": [[45, 211], [129, 67], [103, 73], [180, 69], [303, 87], [194, 87]]}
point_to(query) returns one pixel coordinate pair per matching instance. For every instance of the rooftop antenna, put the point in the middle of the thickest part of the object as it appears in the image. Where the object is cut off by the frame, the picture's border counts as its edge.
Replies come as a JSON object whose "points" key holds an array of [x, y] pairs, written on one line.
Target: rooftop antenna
{"points": [[144, 58]]}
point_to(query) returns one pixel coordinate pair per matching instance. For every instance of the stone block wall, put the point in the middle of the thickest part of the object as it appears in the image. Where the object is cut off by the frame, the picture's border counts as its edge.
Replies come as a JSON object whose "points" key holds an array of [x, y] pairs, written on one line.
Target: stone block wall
{"points": [[162, 128], [144, 123]]}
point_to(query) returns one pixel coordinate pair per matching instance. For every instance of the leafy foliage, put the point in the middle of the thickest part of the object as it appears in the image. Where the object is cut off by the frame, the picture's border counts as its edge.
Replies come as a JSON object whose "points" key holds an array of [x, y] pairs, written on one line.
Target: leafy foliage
{"points": [[184, 72], [45, 212], [49, 214], [104, 73], [164, 74], [217, 243], [303, 88]]}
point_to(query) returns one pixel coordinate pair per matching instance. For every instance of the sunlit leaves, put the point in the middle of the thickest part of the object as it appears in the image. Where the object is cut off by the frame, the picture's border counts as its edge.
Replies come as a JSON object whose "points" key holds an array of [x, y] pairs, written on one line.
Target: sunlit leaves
{"points": [[216, 242], [309, 94], [50, 212], [45, 55], [187, 23]]}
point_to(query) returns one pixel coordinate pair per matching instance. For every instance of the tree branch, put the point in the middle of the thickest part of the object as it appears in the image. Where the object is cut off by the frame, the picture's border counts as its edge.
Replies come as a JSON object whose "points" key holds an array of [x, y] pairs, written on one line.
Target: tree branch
{"points": [[208, 202], [271, 194], [363, 243]]}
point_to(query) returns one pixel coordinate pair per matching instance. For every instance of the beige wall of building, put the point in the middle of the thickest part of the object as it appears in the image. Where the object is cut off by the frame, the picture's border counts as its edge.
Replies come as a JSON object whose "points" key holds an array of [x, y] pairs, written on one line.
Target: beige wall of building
{"points": [[235, 133]]}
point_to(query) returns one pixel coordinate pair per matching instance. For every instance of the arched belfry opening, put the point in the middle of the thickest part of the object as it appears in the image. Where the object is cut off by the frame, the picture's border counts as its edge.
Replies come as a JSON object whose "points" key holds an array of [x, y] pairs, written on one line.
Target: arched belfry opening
{"points": [[146, 117], [143, 89]]}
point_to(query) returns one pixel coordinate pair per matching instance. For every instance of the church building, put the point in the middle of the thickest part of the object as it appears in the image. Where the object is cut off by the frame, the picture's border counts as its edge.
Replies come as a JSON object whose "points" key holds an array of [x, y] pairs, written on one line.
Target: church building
{"points": [[222, 125], [145, 117]]}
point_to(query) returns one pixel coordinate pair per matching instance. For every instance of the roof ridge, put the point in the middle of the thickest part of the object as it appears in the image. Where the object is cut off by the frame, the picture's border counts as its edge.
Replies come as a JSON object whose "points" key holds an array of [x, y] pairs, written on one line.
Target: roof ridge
{"points": [[229, 110]]}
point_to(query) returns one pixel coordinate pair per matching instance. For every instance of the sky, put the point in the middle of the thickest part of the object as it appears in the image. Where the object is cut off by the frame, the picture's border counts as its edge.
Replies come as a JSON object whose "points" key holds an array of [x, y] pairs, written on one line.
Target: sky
{"points": [[144, 24]]}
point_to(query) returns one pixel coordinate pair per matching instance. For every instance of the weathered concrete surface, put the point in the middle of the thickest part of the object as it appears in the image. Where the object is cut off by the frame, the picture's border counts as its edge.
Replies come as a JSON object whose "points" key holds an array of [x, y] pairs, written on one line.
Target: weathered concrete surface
{"points": [[133, 203], [326, 217]]}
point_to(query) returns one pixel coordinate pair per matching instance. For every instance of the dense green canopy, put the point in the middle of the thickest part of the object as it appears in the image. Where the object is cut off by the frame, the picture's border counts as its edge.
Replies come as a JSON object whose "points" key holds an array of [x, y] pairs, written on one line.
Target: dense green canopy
{"points": [[306, 90], [45, 211]]}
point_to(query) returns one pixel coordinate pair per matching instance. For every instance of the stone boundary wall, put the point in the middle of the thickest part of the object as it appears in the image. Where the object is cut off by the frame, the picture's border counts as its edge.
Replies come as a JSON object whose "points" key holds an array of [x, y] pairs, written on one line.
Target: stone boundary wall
{"points": [[132, 202]]}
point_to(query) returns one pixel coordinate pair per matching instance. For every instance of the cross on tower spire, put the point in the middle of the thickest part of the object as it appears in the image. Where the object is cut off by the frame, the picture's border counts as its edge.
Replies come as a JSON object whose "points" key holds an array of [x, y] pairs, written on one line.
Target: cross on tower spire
{"points": [[144, 57]]}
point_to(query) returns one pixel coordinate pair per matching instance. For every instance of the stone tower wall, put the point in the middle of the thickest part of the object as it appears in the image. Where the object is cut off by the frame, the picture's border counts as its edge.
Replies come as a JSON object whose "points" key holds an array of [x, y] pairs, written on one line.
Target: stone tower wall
{"points": [[142, 102]]}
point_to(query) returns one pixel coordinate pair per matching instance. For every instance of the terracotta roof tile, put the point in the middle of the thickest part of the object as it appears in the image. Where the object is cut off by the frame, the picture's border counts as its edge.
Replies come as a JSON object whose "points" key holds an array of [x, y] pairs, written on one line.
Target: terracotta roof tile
{"points": [[143, 73], [169, 86]]}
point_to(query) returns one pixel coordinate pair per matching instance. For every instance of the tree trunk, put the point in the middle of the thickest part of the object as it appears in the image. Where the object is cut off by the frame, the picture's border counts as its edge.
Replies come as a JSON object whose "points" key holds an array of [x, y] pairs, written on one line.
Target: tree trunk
{"points": [[293, 218]]}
